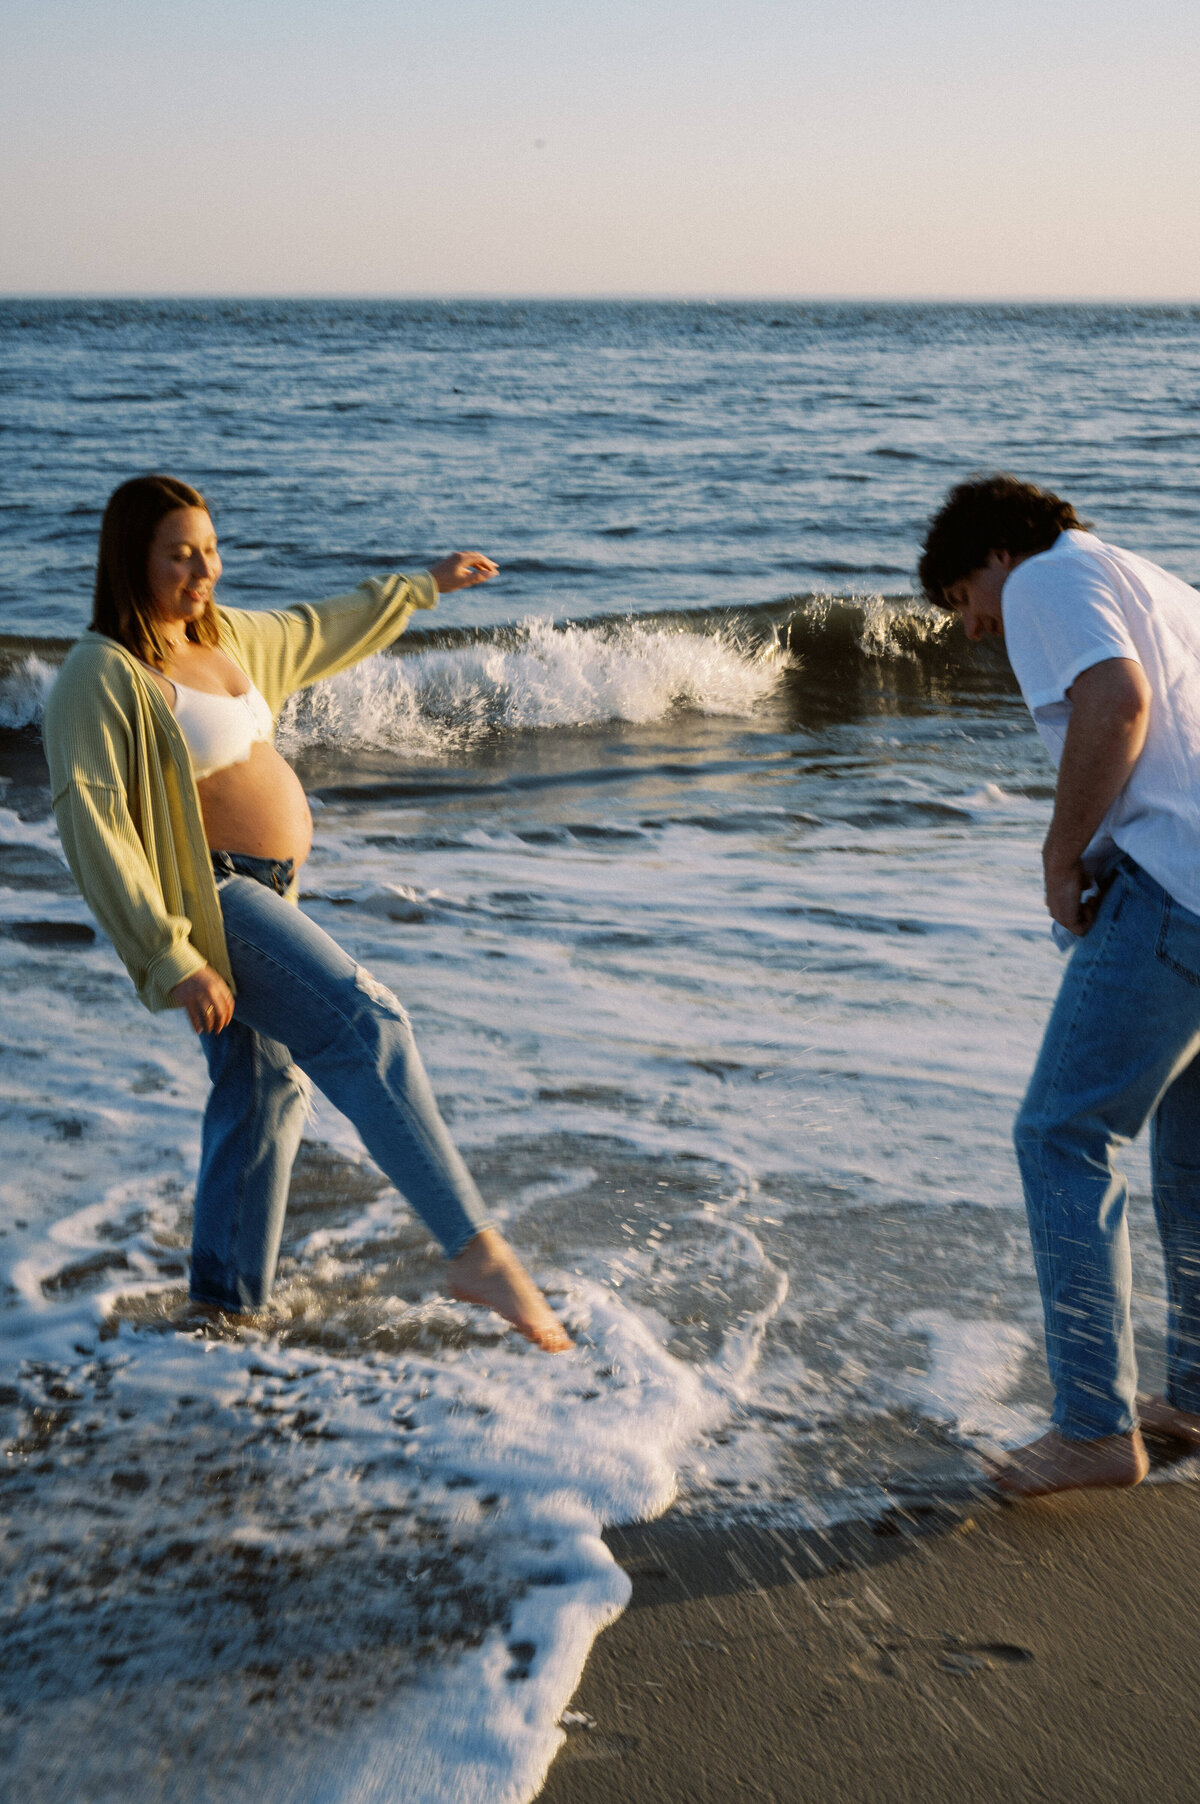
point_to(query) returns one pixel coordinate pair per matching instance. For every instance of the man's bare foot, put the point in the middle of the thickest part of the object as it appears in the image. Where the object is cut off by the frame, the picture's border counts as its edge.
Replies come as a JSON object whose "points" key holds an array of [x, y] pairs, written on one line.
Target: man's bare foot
{"points": [[488, 1272], [1158, 1416], [1055, 1464]]}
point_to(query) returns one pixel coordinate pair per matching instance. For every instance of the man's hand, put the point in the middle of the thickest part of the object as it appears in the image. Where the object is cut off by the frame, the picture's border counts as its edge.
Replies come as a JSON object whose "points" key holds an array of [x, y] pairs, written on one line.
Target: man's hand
{"points": [[208, 1000], [1110, 716], [1065, 888], [463, 570]]}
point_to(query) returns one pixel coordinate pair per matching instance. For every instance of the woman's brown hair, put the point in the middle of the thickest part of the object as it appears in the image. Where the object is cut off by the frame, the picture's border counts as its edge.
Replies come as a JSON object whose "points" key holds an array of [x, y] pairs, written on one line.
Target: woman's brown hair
{"points": [[123, 608]]}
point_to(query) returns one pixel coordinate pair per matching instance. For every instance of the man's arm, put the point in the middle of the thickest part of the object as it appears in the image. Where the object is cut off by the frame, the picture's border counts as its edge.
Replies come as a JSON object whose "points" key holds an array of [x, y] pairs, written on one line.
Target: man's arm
{"points": [[1110, 716]]}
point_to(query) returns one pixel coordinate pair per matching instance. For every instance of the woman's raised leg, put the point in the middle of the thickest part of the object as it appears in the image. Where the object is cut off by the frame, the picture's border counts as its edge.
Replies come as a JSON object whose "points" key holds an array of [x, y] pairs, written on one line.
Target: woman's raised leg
{"points": [[353, 1038]]}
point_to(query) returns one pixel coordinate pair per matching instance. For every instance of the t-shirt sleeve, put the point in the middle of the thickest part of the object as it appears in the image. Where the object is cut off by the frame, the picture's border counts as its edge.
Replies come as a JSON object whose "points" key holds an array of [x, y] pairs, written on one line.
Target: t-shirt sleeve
{"points": [[1061, 616]]}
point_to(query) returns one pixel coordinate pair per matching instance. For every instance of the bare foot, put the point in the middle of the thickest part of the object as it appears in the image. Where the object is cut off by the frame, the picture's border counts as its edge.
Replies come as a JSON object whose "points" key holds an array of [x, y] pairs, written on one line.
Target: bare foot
{"points": [[1160, 1417], [1055, 1464], [196, 1314], [488, 1272]]}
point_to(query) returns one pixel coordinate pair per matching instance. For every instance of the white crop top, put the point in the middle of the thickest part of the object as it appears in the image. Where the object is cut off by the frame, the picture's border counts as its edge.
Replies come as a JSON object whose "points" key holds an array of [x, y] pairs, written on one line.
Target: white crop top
{"points": [[219, 730]]}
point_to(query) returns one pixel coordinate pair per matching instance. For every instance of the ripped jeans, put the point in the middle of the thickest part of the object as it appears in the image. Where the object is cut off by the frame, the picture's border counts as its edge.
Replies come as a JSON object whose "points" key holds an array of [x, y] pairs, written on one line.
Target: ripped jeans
{"points": [[303, 1003]]}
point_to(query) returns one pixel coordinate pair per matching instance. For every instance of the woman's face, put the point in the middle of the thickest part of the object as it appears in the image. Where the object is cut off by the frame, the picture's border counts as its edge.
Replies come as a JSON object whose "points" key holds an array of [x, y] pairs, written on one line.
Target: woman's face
{"points": [[182, 565]]}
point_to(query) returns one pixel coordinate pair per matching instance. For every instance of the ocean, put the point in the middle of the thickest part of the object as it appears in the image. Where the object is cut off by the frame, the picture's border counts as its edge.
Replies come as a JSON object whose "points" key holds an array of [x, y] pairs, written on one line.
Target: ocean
{"points": [[705, 859]]}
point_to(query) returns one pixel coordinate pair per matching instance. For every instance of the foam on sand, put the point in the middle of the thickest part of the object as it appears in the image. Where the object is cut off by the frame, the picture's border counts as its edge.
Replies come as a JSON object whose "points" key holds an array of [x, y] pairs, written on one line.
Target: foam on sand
{"points": [[388, 1562], [350, 1554], [973, 1368]]}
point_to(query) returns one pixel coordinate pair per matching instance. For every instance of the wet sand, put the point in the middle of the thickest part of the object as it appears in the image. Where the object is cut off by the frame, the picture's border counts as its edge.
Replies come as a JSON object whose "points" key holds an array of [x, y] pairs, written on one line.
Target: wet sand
{"points": [[945, 1653]]}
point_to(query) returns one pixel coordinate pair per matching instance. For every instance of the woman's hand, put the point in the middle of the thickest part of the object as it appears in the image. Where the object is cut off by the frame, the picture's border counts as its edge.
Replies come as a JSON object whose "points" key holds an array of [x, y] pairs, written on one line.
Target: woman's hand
{"points": [[463, 570], [208, 1000]]}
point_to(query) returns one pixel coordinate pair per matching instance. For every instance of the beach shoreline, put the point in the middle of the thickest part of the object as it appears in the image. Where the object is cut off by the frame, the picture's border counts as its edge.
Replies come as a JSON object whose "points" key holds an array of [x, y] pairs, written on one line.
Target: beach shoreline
{"points": [[949, 1649], [719, 922]]}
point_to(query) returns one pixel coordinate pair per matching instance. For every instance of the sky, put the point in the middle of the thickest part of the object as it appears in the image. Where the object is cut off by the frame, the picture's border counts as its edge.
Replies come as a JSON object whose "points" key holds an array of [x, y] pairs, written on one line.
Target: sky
{"points": [[876, 148]]}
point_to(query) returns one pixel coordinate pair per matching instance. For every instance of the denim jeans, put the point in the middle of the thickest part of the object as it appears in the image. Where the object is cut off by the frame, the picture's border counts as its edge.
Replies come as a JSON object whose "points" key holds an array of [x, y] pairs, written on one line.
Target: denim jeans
{"points": [[1121, 1049], [303, 1005]]}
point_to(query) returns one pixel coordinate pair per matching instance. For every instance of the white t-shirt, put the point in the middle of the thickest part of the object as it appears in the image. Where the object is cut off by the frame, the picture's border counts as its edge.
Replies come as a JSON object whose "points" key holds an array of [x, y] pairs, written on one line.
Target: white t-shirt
{"points": [[1077, 604]]}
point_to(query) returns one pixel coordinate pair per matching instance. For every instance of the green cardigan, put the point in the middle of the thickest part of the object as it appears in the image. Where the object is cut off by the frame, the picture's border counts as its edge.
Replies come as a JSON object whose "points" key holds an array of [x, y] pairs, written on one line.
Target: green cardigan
{"points": [[121, 780]]}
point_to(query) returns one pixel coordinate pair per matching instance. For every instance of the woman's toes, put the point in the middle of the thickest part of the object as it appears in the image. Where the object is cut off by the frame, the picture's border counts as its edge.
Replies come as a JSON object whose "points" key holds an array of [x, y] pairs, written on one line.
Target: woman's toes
{"points": [[489, 1274]]}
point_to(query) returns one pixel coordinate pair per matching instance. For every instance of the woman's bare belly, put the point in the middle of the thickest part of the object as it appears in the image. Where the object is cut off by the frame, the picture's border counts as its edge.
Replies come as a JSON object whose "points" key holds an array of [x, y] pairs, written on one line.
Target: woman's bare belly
{"points": [[258, 807]]}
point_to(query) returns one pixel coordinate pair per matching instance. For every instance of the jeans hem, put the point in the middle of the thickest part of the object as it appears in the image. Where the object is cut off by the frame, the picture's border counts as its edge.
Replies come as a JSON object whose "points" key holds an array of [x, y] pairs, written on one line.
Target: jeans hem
{"points": [[234, 1305], [1090, 1432], [463, 1241]]}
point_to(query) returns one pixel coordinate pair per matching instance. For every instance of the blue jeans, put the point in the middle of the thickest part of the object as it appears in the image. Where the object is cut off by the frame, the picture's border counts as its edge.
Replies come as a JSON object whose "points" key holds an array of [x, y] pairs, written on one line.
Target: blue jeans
{"points": [[303, 1003], [1121, 1049]]}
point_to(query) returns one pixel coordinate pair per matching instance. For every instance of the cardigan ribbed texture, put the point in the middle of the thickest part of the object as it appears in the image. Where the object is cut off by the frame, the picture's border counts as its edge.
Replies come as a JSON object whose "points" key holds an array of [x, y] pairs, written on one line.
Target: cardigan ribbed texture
{"points": [[121, 781]]}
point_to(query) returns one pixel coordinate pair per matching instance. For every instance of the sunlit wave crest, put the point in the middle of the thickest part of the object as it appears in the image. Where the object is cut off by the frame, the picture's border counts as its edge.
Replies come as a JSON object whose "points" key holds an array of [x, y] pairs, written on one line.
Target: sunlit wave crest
{"points": [[451, 687]]}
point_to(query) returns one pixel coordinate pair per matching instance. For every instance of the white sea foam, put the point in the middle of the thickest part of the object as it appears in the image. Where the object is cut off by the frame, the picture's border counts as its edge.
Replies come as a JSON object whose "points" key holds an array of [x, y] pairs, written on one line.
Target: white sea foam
{"points": [[543, 676], [974, 1366], [892, 629], [501, 1463], [878, 626], [23, 691], [41, 834]]}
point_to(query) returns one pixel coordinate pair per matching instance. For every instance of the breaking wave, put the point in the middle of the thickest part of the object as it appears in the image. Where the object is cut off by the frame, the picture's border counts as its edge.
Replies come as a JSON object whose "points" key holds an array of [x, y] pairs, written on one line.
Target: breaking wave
{"points": [[539, 676], [450, 688], [25, 682]]}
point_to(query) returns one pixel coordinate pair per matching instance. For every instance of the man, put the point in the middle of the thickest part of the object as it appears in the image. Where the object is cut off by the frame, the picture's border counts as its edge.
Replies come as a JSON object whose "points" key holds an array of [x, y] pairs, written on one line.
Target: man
{"points": [[1106, 648]]}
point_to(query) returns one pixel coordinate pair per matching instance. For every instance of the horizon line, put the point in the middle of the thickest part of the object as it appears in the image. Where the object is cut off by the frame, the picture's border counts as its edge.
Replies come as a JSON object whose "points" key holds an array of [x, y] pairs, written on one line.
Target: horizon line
{"points": [[565, 296]]}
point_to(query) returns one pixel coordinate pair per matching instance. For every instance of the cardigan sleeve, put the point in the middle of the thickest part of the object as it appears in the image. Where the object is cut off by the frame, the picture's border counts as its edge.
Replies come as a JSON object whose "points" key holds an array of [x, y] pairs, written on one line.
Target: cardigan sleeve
{"points": [[89, 739], [109, 864], [291, 648]]}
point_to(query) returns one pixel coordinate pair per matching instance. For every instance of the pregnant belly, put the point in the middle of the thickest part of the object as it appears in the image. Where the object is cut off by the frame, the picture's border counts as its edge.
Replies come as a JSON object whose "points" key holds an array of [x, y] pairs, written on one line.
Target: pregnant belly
{"points": [[258, 807]]}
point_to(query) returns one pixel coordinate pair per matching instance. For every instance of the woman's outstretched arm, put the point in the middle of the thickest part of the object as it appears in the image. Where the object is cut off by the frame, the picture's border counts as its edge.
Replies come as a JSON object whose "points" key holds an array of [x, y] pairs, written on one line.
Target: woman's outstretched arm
{"points": [[292, 648]]}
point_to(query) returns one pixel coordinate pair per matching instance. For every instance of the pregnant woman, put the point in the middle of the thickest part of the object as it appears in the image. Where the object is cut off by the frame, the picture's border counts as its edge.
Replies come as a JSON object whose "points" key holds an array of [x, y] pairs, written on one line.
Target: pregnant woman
{"points": [[185, 830]]}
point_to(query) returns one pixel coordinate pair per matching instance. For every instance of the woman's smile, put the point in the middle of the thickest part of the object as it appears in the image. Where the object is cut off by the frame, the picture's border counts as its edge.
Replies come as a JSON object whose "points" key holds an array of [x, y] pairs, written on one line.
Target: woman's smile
{"points": [[183, 564]]}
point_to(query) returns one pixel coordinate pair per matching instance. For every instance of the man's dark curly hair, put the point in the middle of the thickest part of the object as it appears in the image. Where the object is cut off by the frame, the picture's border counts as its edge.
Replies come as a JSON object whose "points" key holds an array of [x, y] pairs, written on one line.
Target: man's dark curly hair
{"points": [[986, 514]]}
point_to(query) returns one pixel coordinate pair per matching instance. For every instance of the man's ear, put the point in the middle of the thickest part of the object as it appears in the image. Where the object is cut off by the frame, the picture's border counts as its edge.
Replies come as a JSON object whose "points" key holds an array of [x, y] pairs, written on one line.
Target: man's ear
{"points": [[1001, 560]]}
